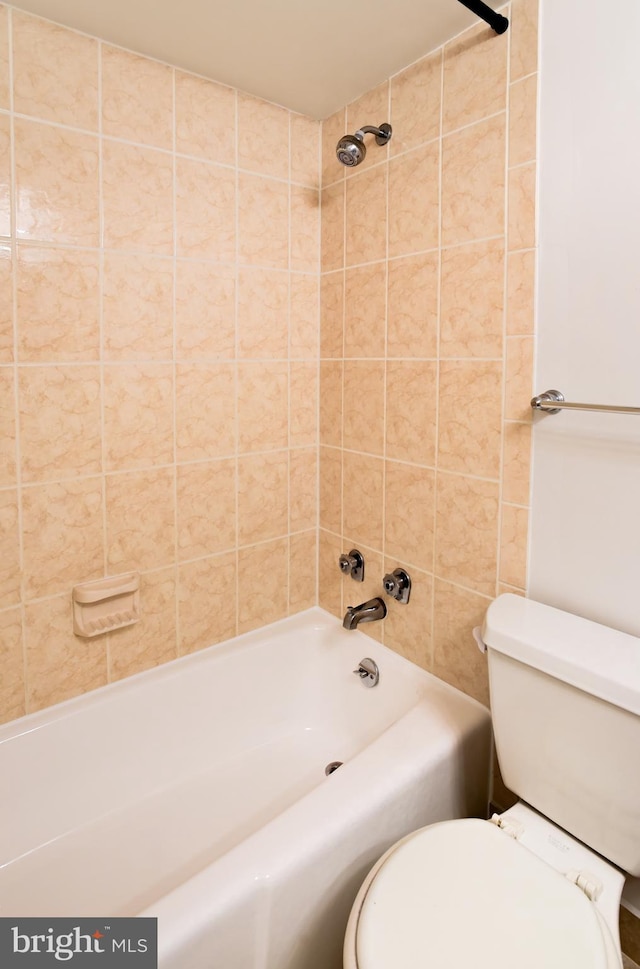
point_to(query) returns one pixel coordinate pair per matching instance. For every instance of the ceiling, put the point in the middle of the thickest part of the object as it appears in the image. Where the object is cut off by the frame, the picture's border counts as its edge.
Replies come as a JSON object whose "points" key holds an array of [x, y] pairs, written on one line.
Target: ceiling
{"points": [[312, 56]]}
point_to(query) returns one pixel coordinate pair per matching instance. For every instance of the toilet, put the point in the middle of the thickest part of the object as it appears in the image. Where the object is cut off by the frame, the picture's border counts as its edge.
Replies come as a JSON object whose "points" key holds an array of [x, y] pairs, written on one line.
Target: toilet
{"points": [[539, 886]]}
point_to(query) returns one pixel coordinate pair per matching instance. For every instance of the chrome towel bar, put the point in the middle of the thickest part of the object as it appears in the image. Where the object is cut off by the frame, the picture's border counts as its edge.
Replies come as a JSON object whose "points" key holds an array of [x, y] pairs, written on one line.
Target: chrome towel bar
{"points": [[552, 402]]}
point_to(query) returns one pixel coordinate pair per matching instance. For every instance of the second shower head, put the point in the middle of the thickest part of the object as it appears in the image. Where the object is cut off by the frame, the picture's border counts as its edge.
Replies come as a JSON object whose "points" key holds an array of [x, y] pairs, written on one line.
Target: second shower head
{"points": [[351, 149]]}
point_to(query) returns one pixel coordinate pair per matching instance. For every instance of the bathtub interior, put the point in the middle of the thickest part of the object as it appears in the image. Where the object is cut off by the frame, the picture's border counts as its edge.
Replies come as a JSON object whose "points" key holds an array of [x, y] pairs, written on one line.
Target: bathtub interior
{"points": [[146, 782]]}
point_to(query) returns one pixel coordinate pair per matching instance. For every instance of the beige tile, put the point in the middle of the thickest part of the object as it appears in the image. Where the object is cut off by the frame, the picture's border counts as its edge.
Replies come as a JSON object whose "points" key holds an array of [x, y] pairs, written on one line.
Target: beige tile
{"points": [[205, 119], [55, 72], [411, 411], [137, 307], [57, 305], [332, 314], [414, 204], [263, 221], [303, 404], [302, 571], [363, 498], [59, 422], [205, 411], [513, 545], [263, 137], [412, 309], [522, 120], [366, 208], [263, 495], [516, 463], [371, 108], [263, 314], [263, 584], [415, 103], [305, 229], [138, 415], [470, 417], [140, 520], [331, 403], [457, 659], [524, 38], [303, 489], [522, 207], [8, 428], [475, 77], [408, 630], [6, 305], [521, 282], [467, 531], [365, 311], [5, 175], [137, 98], [305, 150], [304, 321], [59, 665], [331, 489], [151, 641], [205, 311], [206, 496], [62, 536], [205, 211], [56, 184], [329, 575], [206, 602], [137, 185], [12, 687], [332, 240], [519, 379], [333, 129], [4, 59], [409, 514], [9, 550], [262, 406], [473, 180], [364, 405], [472, 300]]}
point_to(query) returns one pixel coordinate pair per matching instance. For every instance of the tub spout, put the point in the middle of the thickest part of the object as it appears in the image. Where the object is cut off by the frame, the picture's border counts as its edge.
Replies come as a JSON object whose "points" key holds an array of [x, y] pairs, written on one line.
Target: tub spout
{"points": [[365, 612]]}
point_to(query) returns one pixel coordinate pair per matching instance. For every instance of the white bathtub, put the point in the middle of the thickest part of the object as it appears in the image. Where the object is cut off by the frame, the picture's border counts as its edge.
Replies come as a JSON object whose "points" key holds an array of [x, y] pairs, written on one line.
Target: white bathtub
{"points": [[196, 793]]}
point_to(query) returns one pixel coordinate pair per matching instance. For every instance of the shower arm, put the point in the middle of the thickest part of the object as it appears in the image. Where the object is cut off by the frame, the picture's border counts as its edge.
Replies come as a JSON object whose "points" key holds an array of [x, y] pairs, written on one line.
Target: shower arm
{"points": [[383, 133], [495, 20]]}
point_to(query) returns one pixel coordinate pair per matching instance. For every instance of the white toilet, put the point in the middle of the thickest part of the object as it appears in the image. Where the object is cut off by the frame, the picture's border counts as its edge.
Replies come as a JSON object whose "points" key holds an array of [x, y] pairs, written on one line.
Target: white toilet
{"points": [[518, 892]]}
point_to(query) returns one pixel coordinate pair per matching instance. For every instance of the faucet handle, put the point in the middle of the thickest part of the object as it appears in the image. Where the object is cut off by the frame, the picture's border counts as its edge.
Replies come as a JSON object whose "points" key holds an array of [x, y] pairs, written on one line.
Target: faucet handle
{"points": [[353, 565], [398, 585]]}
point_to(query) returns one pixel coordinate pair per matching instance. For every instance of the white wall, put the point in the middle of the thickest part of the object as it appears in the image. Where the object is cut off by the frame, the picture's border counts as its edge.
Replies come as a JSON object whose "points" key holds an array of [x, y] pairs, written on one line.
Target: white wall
{"points": [[585, 535]]}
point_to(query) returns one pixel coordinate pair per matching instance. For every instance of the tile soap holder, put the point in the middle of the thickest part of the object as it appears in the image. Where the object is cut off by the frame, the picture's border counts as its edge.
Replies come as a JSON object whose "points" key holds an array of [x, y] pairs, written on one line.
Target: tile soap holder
{"points": [[106, 604]]}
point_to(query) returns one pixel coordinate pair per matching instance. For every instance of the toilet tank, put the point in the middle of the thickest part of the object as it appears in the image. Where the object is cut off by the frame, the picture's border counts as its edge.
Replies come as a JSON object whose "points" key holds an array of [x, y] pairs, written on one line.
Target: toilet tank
{"points": [[565, 703]]}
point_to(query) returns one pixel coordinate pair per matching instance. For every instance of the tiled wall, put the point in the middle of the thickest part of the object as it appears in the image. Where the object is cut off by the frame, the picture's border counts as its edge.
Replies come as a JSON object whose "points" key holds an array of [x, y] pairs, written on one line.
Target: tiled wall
{"points": [[427, 293], [158, 357]]}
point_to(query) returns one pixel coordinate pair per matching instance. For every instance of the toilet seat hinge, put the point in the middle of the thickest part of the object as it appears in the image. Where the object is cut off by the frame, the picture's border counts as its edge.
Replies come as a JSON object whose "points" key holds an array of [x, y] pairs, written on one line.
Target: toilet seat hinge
{"points": [[513, 828], [586, 882]]}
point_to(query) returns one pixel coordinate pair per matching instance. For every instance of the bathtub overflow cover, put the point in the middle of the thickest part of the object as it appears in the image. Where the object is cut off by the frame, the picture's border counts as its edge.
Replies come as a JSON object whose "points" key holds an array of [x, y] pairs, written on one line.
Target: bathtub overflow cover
{"points": [[329, 769]]}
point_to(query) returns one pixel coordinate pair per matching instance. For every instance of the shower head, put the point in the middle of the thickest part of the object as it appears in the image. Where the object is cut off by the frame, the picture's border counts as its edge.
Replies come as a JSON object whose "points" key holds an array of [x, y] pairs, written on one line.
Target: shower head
{"points": [[351, 149]]}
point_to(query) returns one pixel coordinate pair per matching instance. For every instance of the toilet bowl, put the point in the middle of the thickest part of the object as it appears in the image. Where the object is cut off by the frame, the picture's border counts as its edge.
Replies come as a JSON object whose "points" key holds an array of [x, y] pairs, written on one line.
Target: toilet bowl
{"points": [[539, 886], [510, 892]]}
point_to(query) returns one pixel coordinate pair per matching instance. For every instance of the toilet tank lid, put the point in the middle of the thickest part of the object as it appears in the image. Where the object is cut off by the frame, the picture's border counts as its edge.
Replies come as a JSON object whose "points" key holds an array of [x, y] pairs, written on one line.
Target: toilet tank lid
{"points": [[594, 658]]}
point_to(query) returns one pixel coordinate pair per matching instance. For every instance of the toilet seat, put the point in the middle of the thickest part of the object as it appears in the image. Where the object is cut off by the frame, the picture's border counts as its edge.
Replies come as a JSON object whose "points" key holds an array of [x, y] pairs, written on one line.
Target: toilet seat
{"points": [[464, 893]]}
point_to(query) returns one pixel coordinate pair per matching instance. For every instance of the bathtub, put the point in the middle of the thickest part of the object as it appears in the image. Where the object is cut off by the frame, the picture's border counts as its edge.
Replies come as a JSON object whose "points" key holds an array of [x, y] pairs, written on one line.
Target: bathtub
{"points": [[197, 793]]}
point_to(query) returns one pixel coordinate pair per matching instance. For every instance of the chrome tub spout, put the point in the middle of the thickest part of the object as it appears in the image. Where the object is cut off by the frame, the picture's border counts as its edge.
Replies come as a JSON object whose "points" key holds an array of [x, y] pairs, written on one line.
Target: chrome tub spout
{"points": [[368, 611]]}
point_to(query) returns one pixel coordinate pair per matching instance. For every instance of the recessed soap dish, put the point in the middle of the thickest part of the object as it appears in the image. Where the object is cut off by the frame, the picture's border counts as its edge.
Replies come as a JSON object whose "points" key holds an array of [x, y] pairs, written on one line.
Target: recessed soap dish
{"points": [[106, 604]]}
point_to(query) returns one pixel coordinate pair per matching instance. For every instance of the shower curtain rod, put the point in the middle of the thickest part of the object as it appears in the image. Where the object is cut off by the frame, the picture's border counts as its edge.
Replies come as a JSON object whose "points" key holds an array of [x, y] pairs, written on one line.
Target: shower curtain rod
{"points": [[495, 20]]}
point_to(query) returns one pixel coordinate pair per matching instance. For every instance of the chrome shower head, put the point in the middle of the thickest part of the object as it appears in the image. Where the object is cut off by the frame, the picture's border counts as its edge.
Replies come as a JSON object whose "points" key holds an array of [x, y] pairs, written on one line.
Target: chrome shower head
{"points": [[351, 149]]}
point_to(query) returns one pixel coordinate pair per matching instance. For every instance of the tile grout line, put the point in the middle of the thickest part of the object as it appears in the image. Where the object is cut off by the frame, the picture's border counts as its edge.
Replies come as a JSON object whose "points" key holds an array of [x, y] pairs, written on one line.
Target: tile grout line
{"points": [[15, 372], [174, 328]]}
